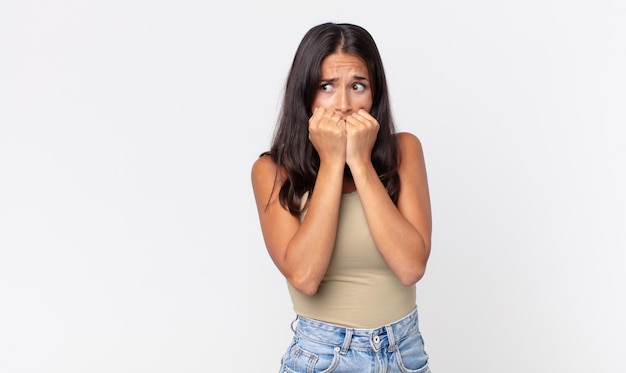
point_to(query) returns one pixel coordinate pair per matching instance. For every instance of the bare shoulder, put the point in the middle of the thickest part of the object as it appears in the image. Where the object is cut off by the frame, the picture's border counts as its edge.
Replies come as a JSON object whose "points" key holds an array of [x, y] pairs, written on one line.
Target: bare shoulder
{"points": [[265, 174], [262, 165], [263, 169], [410, 145], [414, 199]]}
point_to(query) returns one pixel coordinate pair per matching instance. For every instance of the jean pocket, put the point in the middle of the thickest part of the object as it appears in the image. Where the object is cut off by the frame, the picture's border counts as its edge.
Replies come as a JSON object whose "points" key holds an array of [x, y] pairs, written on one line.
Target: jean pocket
{"points": [[410, 354], [305, 356]]}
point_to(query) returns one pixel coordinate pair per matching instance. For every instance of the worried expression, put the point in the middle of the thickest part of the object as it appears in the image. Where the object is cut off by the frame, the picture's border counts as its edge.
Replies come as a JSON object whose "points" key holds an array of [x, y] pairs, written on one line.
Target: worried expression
{"points": [[344, 85]]}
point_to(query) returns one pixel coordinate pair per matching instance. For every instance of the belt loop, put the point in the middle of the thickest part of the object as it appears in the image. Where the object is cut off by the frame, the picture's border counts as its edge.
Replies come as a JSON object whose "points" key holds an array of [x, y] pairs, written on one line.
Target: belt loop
{"points": [[391, 338], [346, 341], [295, 321]]}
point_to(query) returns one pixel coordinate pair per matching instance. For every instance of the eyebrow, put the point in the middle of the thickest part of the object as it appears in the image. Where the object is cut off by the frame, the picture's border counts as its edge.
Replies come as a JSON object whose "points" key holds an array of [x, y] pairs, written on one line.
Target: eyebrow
{"points": [[332, 80]]}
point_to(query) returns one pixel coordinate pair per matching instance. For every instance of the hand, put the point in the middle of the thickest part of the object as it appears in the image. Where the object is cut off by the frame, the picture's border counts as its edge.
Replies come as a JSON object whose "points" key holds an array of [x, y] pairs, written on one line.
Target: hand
{"points": [[362, 131], [327, 133]]}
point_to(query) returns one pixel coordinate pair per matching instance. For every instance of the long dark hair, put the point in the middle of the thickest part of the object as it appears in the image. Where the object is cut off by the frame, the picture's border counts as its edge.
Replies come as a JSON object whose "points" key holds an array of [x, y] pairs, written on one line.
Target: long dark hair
{"points": [[291, 147]]}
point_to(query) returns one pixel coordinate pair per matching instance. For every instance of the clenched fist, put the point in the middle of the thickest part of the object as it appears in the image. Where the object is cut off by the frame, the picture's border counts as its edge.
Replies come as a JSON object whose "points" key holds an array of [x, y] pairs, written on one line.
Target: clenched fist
{"points": [[327, 133]]}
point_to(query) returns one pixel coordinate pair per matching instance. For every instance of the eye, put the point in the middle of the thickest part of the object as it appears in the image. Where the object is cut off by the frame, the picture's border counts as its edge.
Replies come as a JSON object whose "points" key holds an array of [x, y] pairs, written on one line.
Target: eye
{"points": [[326, 87], [359, 87]]}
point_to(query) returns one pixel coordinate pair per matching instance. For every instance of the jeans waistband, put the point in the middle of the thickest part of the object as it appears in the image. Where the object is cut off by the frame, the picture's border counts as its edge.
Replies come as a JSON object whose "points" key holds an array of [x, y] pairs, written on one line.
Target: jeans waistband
{"points": [[345, 338]]}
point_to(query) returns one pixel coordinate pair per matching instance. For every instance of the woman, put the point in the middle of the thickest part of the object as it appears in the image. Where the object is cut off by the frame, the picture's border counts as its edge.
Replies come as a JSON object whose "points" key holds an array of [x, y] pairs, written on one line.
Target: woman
{"points": [[344, 208]]}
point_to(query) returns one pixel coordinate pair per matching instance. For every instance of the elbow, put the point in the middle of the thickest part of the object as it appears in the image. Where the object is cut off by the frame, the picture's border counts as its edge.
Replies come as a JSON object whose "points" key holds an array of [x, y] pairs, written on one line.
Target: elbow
{"points": [[413, 268], [302, 275], [412, 276], [308, 290], [411, 280], [304, 284]]}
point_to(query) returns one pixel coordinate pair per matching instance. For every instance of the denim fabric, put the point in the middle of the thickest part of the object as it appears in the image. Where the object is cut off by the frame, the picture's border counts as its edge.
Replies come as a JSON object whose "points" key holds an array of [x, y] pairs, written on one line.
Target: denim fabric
{"points": [[319, 347]]}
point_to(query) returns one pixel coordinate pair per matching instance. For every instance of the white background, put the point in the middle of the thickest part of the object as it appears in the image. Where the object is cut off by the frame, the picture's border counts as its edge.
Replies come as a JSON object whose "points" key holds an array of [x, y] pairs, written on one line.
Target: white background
{"points": [[129, 240]]}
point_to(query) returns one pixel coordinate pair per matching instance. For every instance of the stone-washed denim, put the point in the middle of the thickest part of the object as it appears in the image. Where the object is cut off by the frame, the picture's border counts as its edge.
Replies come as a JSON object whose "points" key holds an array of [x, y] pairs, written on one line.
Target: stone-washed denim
{"points": [[319, 347]]}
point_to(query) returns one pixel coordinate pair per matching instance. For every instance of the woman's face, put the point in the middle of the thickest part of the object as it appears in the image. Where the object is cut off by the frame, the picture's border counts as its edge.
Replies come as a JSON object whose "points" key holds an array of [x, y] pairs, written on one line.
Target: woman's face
{"points": [[344, 86]]}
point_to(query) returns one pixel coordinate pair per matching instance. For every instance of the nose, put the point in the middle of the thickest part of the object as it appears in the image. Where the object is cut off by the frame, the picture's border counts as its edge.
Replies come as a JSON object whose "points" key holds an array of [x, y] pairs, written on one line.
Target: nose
{"points": [[343, 104]]}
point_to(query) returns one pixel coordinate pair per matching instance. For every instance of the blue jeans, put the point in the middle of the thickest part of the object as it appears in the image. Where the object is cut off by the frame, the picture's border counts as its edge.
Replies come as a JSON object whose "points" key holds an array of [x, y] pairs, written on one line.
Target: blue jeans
{"points": [[319, 347]]}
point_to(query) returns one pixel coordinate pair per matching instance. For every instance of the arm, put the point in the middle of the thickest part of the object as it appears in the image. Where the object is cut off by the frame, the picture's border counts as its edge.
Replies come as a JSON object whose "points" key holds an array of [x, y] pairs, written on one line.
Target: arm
{"points": [[402, 234], [302, 251]]}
